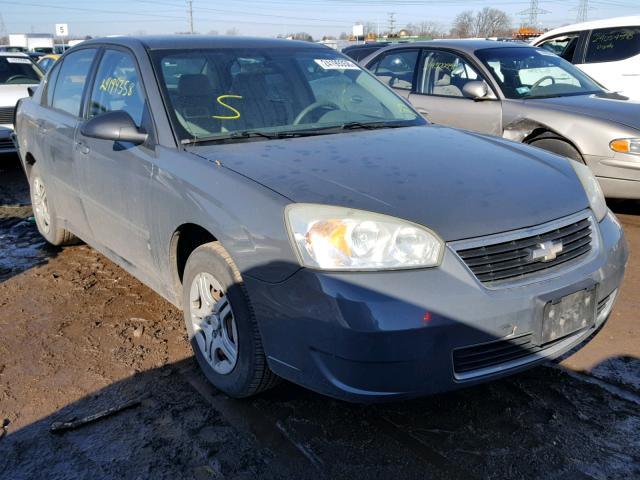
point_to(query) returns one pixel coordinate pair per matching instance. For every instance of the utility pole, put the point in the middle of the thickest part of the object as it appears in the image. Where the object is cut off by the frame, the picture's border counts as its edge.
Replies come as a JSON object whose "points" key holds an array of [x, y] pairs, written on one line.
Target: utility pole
{"points": [[190, 13], [391, 22], [532, 12], [583, 11]]}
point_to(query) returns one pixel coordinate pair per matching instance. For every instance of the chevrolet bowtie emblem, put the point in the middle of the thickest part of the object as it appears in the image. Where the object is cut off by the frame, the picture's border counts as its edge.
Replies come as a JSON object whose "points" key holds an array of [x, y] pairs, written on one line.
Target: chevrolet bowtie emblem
{"points": [[545, 252]]}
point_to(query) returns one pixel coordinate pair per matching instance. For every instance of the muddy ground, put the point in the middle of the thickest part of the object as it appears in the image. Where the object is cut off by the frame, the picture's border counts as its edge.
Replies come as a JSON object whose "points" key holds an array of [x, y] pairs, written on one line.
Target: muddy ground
{"points": [[78, 335]]}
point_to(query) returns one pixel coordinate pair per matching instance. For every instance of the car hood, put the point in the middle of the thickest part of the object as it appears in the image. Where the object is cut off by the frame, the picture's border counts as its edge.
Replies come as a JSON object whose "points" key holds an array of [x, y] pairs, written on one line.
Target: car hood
{"points": [[609, 107], [10, 94], [457, 183]]}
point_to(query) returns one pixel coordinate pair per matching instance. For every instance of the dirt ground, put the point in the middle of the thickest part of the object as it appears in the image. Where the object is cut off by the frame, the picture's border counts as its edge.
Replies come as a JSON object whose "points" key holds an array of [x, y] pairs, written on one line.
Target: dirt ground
{"points": [[78, 335]]}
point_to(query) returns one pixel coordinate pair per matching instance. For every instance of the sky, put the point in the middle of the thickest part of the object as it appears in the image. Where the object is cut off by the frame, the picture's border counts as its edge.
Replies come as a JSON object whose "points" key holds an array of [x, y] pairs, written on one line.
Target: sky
{"points": [[272, 17]]}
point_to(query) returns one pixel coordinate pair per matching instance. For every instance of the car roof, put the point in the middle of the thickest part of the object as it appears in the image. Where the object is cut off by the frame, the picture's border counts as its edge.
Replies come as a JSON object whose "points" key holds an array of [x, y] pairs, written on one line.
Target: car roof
{"points": [[14, 54], [463, 45], [630, 21], [366, 45], [161, 42]]}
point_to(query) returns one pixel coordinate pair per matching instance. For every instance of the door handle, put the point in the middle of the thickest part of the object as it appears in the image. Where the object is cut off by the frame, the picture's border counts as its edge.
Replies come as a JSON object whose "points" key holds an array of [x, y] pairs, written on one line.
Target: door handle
{"points": [[41, 128]]}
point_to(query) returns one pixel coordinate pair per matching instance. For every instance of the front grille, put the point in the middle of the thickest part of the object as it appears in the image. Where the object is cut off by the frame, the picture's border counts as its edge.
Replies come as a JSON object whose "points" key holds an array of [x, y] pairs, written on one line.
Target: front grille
{"points": [[495, 353], [6, 143], [6, 115], [512, 260]]}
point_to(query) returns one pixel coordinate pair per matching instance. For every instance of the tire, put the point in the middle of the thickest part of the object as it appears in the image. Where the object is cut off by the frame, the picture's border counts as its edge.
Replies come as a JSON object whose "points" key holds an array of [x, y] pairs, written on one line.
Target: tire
{"points": [[558, 146], [230, 322], [44, 211]]}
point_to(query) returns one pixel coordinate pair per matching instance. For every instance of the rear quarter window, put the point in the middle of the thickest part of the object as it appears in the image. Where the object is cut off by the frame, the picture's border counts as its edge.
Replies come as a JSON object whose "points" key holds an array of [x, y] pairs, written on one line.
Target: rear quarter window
{"points": [[613, 44]]}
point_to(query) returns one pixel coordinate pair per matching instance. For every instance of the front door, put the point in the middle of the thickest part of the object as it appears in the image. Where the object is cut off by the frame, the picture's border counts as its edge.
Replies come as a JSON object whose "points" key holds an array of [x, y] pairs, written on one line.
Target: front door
{"points": [[439, 98], [116, 175], [396, 68]]}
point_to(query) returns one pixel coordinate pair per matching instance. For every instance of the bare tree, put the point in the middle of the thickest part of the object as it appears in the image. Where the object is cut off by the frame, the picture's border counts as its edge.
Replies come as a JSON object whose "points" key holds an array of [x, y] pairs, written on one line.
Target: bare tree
{"points": [[463, 25], [232, 32], [430, 29], [300, 36], [344, 36], [489, 22], [426, 29]]}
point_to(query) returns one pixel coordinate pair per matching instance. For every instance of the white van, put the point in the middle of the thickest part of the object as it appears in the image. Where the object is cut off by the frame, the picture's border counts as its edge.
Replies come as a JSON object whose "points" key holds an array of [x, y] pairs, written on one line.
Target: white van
{"points": [[607, 50]]}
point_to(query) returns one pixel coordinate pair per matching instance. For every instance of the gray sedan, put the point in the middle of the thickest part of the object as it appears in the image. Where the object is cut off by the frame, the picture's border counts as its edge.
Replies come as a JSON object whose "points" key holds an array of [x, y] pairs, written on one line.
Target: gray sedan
{"points": [[521, 93], [310, 223]]}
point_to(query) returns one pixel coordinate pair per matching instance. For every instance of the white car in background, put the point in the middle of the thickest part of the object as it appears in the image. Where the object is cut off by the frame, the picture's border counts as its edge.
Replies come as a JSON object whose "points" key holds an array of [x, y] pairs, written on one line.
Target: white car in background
{"points": [[17, 73], [607, 50]]}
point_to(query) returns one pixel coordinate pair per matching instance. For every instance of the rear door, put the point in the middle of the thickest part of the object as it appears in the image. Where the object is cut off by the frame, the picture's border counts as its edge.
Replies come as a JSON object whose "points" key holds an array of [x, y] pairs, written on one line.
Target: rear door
{"points": [[57, 129], [397, 69], [438, 94], [116, 175], [612, 57]]}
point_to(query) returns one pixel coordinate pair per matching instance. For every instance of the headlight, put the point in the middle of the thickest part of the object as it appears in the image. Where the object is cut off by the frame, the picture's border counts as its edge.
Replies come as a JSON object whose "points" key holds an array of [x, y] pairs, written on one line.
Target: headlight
{"points": [[626, 145], [592, 189], [337, 238]]}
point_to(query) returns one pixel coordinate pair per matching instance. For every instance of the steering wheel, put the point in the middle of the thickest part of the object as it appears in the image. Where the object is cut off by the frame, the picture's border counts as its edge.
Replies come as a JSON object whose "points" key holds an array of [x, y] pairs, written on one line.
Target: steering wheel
{"points": [[15, 77], [540, 80], [314, 106]]}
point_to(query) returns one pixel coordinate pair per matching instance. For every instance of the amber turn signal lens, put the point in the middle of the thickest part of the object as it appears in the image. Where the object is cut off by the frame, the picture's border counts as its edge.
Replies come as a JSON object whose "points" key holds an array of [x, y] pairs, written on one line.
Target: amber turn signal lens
{"points": [[622, 145]]}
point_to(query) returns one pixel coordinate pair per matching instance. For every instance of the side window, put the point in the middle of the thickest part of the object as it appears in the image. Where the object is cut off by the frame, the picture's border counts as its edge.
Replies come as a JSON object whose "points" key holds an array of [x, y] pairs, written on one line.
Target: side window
{"points": [[67, 95], [396, 68], [564, 46], [612, 44], [50, 85], [117, 87], [445, 74]]}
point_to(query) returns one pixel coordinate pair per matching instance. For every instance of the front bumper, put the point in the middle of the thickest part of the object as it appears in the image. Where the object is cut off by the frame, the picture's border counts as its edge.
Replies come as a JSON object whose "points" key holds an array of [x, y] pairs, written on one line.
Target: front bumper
{"points": [[386, 335], [619, 175], [7, 144]]}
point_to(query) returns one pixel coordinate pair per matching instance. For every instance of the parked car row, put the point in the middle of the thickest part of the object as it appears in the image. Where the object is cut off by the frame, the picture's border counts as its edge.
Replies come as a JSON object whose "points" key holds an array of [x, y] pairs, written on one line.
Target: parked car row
{"points": [[310, 223], [17, 73], [607, 50], [521, 93]]}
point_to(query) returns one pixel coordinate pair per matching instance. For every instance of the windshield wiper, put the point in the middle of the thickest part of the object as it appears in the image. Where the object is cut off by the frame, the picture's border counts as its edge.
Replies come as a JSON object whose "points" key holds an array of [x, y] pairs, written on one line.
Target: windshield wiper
{"points": [[229, 136], [371, 125], [326, 130]]}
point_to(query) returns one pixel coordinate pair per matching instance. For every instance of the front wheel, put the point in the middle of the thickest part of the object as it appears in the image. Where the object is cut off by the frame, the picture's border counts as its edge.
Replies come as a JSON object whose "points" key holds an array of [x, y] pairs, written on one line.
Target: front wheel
{"points": [[221, 324], [558, 146]]}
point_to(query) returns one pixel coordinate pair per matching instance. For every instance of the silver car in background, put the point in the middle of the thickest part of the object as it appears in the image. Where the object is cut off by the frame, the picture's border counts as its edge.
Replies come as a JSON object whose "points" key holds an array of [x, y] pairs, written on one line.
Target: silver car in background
{"points": [[17, 72], [521, 93]]}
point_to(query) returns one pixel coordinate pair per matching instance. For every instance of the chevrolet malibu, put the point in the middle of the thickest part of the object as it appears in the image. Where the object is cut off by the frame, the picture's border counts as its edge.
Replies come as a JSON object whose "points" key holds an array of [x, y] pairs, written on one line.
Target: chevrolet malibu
{"points": [[310, 224]]}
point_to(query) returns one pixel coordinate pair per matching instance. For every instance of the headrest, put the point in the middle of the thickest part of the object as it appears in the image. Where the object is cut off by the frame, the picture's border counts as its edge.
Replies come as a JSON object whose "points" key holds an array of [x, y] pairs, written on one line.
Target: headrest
{"points": [[194, 85]]}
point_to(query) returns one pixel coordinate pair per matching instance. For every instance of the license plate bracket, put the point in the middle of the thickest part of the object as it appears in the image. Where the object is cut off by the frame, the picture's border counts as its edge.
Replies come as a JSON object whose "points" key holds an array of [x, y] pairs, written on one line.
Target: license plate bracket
{"points": [[568, 314]]}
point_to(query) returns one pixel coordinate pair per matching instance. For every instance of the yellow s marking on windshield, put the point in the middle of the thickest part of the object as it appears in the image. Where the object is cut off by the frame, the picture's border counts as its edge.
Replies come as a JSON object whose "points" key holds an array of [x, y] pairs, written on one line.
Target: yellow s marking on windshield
{"points": [[236, 112]]}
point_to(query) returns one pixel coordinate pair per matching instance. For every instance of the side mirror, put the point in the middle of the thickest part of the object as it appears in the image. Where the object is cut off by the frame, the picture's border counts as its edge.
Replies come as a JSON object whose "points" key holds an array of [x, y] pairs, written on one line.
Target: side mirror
{"points": [[476, 90], [32, 90], [117, 126]]}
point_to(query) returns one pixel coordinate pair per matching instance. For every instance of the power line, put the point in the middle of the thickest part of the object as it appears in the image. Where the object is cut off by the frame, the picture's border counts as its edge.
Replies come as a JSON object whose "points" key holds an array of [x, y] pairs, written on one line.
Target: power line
{"points": [[391, 21], [532, 12], [583, 11], [190, 14]]}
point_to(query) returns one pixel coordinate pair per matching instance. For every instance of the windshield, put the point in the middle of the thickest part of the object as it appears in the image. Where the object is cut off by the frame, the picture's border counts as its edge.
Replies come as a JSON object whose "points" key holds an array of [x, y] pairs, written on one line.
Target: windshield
{"points": [[216, 92], [527, 72], [17, 70]]}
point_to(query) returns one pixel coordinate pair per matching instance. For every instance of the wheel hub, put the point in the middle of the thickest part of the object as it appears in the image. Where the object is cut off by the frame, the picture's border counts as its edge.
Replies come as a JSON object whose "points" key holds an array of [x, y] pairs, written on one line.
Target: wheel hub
{"points": [[213, 322]]}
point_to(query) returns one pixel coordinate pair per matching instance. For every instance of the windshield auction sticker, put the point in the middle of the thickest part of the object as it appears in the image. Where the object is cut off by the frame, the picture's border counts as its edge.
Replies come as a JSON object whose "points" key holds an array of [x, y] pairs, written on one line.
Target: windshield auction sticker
{"points": [[18, 60], [336, 64]]}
